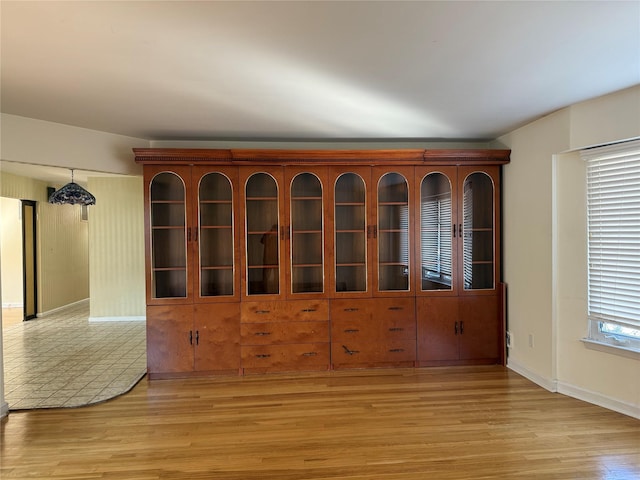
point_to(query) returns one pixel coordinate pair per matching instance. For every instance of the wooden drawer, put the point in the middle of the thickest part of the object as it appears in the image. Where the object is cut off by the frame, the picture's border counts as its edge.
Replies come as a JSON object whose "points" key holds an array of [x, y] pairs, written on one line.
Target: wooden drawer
{"points": [[350, 309], [281, 311], [357, 352], [299, 356], [394, 310], [268, 333]]}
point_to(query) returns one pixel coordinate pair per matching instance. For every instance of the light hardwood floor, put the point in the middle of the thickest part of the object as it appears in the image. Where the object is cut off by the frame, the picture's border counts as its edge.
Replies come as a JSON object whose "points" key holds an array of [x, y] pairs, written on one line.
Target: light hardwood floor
{"points": [[443, 423]]}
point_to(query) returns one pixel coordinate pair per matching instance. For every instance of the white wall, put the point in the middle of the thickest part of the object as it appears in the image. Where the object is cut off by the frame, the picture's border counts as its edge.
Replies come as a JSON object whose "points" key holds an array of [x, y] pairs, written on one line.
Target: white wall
{"points": [[545, 252], [45, 143]]}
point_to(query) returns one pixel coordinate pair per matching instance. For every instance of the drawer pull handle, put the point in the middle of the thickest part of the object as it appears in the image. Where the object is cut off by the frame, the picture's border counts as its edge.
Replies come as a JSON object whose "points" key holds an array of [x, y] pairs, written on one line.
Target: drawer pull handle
{"points": [[262, 334], [309, 354], [306, 310], [351, 330], [396, 308], [349, 352], [262, 312], [396, 329], [263, 355], [397, 350], [351, 309]]}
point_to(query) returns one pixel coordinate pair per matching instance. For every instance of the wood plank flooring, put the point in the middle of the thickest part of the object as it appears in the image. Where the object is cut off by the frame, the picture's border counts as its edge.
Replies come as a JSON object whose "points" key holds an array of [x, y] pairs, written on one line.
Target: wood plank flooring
{"points": [[441, 423]]}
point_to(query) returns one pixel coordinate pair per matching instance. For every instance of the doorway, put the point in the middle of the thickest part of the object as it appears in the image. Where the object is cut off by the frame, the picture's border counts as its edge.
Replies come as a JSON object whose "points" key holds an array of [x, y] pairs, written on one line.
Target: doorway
{"points": [[29, 264]]}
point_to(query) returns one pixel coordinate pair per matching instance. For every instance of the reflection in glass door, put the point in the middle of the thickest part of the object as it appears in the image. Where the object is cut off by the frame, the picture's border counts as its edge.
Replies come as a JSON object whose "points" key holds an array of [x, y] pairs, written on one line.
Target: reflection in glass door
{"points": [[168, 236], [351, 234], [477, 234], [307, 238], [393, 233], [262, 239], [436, 233], [216, 235]]}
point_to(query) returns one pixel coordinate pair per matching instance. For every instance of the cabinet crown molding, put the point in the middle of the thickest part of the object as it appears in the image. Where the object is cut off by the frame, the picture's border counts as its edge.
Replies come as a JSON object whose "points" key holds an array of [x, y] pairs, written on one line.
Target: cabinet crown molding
{"points": [[196, 156]]}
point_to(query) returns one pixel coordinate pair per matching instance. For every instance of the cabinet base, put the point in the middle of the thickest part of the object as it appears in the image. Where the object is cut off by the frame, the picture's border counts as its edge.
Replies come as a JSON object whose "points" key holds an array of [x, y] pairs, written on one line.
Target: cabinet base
{"points": [[453, 363], [199, 374]]}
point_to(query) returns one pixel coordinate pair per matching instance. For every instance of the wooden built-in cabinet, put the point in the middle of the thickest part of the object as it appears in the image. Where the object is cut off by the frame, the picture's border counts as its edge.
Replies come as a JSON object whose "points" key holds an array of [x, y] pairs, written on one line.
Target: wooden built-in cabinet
{"points": [[276, 260]]}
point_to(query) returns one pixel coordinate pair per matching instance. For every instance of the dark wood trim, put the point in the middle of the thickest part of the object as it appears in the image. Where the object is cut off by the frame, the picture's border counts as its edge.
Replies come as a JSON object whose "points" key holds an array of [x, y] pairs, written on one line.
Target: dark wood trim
{"points": [[282, 157]]}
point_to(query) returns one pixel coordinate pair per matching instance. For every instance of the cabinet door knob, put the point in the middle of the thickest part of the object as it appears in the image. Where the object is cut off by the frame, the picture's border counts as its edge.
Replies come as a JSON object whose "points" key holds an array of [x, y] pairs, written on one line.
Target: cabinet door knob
{"points": [[396, 308], [263, 355], [351, 330], [351, 309], [397, 350], [461, 328], [307, 310], [263, 312], [262, 334], [455, 328], [190, 337], [309, 354], [396, 329]]}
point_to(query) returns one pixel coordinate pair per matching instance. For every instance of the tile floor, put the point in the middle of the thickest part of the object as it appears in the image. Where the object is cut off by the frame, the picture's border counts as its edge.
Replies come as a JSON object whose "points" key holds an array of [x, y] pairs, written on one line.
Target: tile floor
{"points": [[63, 360]]}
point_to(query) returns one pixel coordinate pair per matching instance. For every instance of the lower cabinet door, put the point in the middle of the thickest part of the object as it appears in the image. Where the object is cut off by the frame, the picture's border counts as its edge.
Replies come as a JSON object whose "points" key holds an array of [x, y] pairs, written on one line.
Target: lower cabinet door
{"points": [[437, 329], [169, 343], [480, 329], [458, 330], [217, 337]]}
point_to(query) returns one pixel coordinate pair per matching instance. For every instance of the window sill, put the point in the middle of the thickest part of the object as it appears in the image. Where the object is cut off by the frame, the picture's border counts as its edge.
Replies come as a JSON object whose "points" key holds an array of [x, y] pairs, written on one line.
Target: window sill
{"points": [[600, 346]]}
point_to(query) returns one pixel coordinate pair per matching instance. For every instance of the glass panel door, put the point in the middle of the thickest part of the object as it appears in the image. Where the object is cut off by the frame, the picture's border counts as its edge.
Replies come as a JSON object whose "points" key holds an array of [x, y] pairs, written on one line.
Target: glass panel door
{"points": [[262, 235], [351, 233], [307, 237], [436, 233], [215, 208], [393, 233], [168, 236], [478, 232]]}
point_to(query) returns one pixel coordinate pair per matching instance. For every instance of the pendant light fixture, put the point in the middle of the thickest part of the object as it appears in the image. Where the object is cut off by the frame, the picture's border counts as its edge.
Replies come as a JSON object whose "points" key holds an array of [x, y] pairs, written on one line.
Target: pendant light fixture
{"points": [[72, 194]]}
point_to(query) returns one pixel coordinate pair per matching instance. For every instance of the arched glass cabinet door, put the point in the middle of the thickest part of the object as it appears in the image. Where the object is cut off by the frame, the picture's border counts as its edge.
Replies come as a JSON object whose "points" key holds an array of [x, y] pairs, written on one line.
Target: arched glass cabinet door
{"points": [[168, 236], [262, 235], [307, 237], [436, 229], [216, 242], [478, 232], [393, 233], [350, 233]]}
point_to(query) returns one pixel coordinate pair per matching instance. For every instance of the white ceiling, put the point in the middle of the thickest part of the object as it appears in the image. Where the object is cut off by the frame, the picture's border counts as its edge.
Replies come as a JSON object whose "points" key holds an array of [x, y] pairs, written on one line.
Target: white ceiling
{"points": [[311, 70]]}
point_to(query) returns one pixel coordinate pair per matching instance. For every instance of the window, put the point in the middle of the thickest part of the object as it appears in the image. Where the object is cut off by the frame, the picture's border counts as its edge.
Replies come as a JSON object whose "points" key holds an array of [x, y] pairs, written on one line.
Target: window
{"points": [[613, 229]]}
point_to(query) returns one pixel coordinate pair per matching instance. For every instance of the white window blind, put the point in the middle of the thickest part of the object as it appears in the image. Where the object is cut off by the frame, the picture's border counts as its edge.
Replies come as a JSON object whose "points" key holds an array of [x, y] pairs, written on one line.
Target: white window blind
{"points": [[613, 224]]}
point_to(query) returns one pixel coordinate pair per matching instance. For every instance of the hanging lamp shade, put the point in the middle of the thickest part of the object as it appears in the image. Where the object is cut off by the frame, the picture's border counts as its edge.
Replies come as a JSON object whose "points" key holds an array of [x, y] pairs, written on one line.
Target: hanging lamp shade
{"points": [[72, 194]]}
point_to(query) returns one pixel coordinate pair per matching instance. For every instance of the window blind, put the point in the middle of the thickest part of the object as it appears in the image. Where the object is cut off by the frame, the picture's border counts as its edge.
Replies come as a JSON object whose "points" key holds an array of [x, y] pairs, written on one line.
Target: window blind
{"points": [[435, 235], [613, 224]]}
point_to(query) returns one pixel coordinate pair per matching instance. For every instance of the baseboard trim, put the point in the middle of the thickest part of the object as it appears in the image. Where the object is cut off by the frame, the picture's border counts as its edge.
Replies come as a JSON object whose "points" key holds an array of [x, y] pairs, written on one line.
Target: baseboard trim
{"points": [[599, 399], [54, 310], [547, 384], [4, 409], [556, 386], [12, 305], [118, 319]]}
